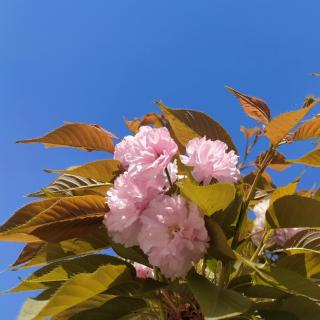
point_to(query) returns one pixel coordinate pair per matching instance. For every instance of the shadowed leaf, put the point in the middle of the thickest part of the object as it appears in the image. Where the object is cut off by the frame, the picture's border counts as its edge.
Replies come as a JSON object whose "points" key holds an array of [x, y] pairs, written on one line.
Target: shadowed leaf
{"points": [[217, 303], [294, 211]]}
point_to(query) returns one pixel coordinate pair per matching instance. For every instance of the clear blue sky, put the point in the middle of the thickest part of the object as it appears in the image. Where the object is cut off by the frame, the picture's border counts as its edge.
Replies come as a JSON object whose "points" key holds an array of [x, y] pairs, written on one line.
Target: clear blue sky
{"points": [[98, 61]]}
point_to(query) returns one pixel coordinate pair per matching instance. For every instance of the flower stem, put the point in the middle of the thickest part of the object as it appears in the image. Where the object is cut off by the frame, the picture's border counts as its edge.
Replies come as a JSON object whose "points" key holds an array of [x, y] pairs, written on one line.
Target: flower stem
{"points": [[245, 206], [168, 176]]}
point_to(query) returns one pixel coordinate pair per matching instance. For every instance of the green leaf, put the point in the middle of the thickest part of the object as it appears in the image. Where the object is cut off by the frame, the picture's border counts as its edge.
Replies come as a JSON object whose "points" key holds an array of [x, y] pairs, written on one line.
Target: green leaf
{"points": [[100, 170], [64, 270], [189, 124], [307, 264], [311, 159], [294, 211], [279, 127], [87, 137], [211, 198], [219, 247], [217, 303], [71, 185], [82, 287], [283, 279], [55, 219], [133, 253], [91, 303], [115, 309], [39, 253], [302, 308]]}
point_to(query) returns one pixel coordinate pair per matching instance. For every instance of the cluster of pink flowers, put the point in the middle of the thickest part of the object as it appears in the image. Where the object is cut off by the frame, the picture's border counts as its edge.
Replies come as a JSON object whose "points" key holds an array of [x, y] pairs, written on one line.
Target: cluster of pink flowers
{"points": [[279, 236], [169, 229]]}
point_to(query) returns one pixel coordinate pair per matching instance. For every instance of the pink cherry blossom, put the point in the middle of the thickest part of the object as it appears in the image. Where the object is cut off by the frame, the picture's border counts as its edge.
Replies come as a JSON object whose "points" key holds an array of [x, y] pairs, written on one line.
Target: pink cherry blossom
{"points": [[279, 236], [142, 271], [150, 147], [173, 235], [126, 200], [210, 160]]}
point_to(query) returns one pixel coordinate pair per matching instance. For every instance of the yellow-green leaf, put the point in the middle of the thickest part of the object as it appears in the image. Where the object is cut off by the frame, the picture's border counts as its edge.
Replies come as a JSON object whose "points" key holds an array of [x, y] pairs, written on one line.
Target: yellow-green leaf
{"points": [[80, 288], [88, 137], [189, 124], [254, 107], [100, 170], [311, 159], [279, 127], [210, 198]]}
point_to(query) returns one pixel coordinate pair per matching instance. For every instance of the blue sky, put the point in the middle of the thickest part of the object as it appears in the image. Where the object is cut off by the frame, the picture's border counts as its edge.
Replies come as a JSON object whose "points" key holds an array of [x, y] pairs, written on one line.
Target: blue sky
{"points": [[99, 61]]}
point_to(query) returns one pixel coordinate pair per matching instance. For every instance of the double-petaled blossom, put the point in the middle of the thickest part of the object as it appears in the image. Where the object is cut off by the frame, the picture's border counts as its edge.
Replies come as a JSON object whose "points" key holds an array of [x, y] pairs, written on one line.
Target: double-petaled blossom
{"points": [[173, 235], [149, 148], [211, 160], [146, 156], [279, 236]]}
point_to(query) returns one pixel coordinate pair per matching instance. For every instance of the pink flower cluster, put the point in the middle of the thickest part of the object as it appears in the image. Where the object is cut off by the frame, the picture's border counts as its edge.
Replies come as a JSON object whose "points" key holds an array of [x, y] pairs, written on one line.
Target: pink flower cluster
{"points": [[279, 236], [169, 229], [210, 160]]}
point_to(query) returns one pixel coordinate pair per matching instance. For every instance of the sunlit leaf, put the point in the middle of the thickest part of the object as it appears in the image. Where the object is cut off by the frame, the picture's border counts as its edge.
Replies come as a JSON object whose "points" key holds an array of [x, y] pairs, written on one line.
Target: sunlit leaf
{"points": [[248, 132], [189, 124], [100, 170], [82, 287], [88, 137], [254, 107], [279, 127], [210, 198], [64, 270], [308, 130], [217, 303], [311, 159], [55, 219]]}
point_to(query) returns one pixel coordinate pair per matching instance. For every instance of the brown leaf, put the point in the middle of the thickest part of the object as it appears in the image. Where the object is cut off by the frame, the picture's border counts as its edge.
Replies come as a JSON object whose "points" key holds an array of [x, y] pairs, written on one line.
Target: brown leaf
{"points": [[308, 130], [29, 252], [280, 127], [55, 219], [100, 170], [150, 118], [254, 107], [189, 124], [88, 137], [311, 159], [248, 132], [278, 161]]}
